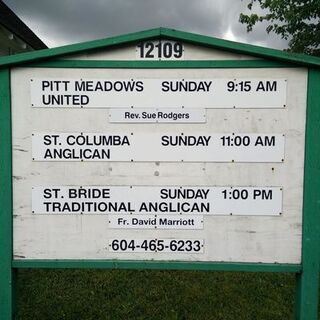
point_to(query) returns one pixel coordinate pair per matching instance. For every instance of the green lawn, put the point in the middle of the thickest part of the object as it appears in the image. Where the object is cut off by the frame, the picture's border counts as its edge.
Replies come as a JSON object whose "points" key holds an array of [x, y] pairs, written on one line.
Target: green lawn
{"points": [[144, 294]]}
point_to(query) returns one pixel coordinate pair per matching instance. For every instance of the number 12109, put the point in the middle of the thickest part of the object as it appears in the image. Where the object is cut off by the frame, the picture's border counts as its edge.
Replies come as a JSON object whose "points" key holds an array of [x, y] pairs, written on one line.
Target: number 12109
{"points": [[160, 50]]}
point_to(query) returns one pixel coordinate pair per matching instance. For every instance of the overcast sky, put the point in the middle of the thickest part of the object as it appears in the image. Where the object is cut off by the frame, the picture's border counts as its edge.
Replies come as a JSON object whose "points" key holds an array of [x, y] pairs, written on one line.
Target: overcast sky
{"points": [[61, 22]]}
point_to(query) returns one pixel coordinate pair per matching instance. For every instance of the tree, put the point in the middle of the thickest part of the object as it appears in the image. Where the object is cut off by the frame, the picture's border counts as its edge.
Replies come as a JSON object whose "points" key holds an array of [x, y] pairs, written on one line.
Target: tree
{"points": [[295, 20]]}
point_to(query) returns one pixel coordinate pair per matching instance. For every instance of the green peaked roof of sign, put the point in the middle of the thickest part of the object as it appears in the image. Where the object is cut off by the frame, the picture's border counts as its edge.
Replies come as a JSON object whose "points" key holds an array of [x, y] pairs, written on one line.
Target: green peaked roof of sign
{"points": [[195, 39]]}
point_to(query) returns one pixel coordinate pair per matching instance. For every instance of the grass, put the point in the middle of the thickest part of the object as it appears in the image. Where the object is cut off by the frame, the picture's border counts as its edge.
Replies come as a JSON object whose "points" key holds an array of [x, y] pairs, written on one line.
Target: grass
{"points": [[143, 294]]}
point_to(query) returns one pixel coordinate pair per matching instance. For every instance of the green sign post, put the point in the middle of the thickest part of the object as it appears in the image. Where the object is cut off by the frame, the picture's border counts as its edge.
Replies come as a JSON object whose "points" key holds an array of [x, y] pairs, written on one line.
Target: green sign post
{"points": [[254, 62]]}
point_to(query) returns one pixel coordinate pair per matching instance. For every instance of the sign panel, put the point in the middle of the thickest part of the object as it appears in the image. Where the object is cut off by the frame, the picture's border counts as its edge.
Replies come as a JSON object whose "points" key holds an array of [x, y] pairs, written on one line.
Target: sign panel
{"points": [[164, 221], [158, 93], [157, 200], [187, 202], [166, 146], [102, 182], [161, 115], [157, 245]]}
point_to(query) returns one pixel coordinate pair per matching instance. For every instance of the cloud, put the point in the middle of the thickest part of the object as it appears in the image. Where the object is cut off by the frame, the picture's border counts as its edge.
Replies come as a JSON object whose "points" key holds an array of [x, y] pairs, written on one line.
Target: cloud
{"points": [[62, 22]]}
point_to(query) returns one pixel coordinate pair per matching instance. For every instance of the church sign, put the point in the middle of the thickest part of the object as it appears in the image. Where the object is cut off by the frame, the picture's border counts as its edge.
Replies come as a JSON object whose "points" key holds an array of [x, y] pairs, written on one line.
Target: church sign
{"points": [[160, 149]]}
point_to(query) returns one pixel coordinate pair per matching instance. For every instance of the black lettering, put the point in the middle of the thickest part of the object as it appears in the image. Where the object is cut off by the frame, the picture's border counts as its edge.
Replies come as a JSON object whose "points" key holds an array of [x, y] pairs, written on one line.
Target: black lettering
{"points": [[165, 86], [165, 140]]}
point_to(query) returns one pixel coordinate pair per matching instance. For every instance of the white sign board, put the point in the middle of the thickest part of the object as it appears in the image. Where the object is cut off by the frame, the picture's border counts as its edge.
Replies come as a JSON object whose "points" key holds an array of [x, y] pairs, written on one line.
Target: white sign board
{"points": [[147, 221], [158, 93], [158, 200], [94, 179], [165, 146], [161, 115]]}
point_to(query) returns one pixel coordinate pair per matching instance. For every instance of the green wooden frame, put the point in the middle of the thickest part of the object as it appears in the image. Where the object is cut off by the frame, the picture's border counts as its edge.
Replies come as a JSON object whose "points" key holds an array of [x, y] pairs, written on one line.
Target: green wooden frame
{"points": [[198, 64], [307, 272], [164, 265], [308, 278], [195, 39], [6, 249]]}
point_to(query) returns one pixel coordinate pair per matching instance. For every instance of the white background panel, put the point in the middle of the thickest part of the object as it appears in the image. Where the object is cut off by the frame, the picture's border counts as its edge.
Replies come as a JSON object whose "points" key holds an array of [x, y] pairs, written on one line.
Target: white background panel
{"points": [[159, 200], [162, 115], [226, 238], [162, 92], [154, 146]]}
